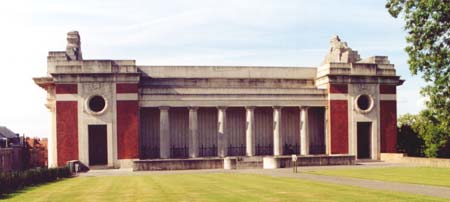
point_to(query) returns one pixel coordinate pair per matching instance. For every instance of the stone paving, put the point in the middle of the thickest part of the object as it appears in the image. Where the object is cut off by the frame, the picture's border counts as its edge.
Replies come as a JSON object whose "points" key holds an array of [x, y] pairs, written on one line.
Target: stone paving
{"points": [[443, 192]]}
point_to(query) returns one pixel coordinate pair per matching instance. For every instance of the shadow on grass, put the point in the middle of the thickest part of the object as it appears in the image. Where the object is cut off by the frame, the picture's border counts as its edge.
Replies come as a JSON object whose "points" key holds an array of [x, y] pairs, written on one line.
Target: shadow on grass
{"points": [[27, 189]]}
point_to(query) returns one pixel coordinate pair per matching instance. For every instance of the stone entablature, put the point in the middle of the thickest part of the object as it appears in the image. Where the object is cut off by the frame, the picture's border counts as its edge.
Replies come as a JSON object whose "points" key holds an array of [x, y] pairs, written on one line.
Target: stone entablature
{"points": [[91, 66], [188, 110], [229, 72]]}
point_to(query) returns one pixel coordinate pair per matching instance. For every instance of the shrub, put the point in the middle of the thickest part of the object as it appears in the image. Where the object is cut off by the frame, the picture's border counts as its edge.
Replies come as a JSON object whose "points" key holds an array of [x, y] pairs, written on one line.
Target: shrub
{"points": [[12, 181]]}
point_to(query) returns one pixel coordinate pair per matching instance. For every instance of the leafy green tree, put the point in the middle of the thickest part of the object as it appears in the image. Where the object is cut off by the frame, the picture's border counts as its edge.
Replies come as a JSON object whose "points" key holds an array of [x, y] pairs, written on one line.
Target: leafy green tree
{"points": [[408, 139], [420, 135], [428, 47]]}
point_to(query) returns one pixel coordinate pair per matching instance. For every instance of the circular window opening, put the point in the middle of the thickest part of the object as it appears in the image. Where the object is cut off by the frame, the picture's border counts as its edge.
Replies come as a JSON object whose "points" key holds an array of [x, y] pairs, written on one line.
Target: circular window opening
{"points": [[364, 102], [97, 103]]}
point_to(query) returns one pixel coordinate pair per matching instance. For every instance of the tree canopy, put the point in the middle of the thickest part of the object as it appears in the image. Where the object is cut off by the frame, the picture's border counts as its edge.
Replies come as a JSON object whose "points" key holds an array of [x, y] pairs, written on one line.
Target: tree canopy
{"points": [[427, 23]]}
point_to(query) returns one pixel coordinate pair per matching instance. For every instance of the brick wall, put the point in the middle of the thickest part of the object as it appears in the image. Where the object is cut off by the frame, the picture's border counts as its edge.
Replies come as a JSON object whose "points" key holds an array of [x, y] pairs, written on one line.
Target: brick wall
{"points": [[66, 131], [339, 88], [126, 88], [388, 125], [388, 89], [339, 126], [388, 119], [127, 123], [338, 119], [127, 129], [66, 89]]}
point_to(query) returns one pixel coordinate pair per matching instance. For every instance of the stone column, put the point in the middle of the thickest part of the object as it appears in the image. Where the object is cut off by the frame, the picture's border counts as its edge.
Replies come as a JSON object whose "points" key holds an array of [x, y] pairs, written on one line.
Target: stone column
{"points": [[304, 136], [249, 136], [277, 141], [221, 133], [327, 133], [52, 146], [193, 132], [164, 133]]}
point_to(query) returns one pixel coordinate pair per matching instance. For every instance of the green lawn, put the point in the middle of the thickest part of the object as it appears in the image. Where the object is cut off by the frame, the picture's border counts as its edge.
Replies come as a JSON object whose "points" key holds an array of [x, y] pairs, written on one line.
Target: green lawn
{"points": [[203, 187], [414, 175]]}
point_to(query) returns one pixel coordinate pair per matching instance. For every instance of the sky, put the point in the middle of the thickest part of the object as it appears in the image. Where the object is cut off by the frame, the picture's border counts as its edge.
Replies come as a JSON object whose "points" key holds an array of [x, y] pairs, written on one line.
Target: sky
{"points": [[187, 32]]}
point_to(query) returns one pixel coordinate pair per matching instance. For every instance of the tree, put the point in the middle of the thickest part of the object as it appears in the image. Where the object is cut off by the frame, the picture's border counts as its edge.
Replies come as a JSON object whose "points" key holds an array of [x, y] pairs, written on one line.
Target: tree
{"points": [[408, 139], [419, 135], [428, 46]]}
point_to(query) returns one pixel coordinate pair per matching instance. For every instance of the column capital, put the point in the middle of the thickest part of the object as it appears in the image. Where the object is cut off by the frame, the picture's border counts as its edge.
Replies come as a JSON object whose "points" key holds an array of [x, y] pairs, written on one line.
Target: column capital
{"points": [[193, 108], [250, 107], [222, 107], [164, 107], [304, 107], [277, 107]]}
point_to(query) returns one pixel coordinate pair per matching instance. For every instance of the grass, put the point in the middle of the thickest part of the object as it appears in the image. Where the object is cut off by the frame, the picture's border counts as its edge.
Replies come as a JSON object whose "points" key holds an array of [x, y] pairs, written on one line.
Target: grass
{"points": [[413, 175], [203, 187]]}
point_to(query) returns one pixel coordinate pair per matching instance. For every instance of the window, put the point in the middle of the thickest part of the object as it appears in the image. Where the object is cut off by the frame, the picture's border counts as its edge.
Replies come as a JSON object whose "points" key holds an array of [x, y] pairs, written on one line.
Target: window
{"points": [[364, 103], [96, 104]]}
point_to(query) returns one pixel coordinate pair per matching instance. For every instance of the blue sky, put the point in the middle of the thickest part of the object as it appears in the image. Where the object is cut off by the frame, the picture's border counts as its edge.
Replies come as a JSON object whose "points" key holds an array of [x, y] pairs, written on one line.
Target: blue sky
{"points": [[187, 32]]}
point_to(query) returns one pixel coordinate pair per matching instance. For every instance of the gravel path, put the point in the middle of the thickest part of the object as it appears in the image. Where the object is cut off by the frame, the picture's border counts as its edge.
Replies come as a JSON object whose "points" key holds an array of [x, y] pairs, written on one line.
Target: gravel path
{"points": [[443, 192]]}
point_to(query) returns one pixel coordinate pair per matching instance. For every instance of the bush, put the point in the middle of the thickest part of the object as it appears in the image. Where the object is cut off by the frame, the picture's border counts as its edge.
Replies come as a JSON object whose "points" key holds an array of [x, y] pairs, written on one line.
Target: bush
{"points": [[430, 137], [409, 142], [12, 181]]}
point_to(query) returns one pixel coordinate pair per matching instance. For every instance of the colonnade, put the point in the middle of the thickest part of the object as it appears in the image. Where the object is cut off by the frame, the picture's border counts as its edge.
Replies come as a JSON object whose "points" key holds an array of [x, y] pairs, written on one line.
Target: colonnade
{"points": [[193, 139]]}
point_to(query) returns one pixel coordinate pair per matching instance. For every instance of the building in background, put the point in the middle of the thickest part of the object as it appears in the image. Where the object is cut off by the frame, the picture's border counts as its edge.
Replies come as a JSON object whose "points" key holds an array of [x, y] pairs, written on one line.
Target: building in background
{"points": [[111, 112], [37, 152], [8, 138], [20, 152]]}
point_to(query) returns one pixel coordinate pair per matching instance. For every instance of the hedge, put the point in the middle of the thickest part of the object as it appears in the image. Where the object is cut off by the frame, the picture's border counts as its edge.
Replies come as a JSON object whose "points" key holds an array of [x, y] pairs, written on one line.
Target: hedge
{"points": [[12, 181]]}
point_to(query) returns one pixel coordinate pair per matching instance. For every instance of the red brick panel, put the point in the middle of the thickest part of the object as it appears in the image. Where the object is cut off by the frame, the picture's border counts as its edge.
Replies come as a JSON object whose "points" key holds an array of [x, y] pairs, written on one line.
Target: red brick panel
{"points": [[66, 89], [338, 88], [388, 125], [66, 131], [339, 126], [126, 88], [388, 89], [127, 129]]}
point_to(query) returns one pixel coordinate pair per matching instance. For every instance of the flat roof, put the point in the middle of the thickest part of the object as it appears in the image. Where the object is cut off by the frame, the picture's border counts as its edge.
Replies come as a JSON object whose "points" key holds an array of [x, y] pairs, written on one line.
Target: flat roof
{"points": [[237, 72]]}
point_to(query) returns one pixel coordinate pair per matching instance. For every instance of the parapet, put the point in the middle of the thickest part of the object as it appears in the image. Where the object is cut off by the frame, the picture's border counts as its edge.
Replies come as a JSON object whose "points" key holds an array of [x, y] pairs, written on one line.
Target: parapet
{"points": [[71, 61], [342, 60]]}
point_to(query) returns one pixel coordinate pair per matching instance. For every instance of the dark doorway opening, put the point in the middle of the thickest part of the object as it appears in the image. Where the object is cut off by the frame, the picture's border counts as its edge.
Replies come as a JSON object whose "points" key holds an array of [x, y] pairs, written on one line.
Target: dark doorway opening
{"points": [[316, 130], [364, 144], [98, 154]]}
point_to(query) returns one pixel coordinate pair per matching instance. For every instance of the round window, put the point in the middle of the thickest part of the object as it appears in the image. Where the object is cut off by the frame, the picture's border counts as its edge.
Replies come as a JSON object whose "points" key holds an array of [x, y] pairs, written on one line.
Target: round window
{"points": [[364, 103], [97, 103]]}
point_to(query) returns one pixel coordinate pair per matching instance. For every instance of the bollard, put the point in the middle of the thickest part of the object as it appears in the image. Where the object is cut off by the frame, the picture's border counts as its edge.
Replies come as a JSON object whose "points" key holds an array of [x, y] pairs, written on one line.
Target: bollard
{"points": [[294, 161], [77, 167]]}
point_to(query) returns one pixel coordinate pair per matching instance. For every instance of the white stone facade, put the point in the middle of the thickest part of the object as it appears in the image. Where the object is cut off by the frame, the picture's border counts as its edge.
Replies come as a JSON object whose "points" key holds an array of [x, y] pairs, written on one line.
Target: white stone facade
{"points": [[216, 111]]}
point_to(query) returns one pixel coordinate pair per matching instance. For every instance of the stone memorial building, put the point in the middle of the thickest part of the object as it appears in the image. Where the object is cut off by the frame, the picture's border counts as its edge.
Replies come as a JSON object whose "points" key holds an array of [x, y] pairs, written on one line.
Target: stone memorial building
{"points": [[112, 112]]}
